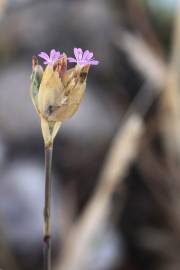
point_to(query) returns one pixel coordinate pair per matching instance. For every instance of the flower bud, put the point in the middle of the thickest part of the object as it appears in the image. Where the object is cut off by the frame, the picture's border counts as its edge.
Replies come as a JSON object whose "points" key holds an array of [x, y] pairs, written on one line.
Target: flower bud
{"points": [[36, 78]]}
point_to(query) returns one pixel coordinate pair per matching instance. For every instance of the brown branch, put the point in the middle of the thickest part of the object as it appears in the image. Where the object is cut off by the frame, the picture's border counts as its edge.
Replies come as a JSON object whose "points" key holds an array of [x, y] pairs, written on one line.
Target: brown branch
{"points": [[170, 101]]}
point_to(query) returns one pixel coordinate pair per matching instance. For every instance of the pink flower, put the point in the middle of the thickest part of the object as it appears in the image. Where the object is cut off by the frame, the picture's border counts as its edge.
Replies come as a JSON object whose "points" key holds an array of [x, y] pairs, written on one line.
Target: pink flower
{"points": [[50, 60], [83, 59]]}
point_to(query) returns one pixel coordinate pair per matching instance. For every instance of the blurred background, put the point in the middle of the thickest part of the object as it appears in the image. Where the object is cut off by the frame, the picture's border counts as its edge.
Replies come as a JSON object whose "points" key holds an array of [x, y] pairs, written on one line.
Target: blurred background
{"points": [[116, 164]]}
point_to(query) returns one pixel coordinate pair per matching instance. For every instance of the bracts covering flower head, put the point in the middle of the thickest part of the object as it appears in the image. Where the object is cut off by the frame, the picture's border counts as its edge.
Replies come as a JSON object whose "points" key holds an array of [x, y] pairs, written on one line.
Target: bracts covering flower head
{"points": [[56, 92]]}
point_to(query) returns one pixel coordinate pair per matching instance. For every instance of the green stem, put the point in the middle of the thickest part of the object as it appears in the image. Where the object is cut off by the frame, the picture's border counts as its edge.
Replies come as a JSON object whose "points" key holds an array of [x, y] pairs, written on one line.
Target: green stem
{"points": [[47, 207]]}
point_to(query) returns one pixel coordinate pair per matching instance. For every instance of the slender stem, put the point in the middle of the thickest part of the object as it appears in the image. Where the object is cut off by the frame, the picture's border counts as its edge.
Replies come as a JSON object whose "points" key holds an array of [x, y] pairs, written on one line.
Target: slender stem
{"points": [[47, 207]]}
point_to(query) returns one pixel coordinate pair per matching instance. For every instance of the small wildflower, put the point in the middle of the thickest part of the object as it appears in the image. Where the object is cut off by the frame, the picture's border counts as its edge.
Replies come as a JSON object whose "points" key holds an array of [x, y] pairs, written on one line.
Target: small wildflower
{"points": [[83, 59], [57, 92], [50, 60]]}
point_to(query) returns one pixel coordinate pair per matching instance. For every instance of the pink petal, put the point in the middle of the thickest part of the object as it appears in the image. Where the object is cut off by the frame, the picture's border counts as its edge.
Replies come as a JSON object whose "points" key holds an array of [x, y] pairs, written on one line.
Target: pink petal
{"points": [[44, 55], [85, 55], [78, 53], [90, 55], [52, 54], [56, 56]]}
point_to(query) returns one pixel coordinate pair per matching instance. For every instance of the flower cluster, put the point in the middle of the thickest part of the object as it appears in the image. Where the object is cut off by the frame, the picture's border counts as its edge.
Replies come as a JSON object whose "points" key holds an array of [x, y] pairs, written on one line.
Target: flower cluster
{"points": [[56, 92], [81, 58]]}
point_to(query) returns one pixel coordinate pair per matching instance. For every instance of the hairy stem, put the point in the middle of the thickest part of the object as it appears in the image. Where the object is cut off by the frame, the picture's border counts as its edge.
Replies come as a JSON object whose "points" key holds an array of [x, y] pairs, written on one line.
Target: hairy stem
{"points": [[47, 207]]}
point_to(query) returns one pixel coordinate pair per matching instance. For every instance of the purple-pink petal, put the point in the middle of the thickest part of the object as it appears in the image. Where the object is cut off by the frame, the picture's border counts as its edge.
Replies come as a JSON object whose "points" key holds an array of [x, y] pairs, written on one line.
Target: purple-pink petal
{"points": [[85, 55], [90, 56], [52, 54], [56, 56], [44, 55], [78, 53]]}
